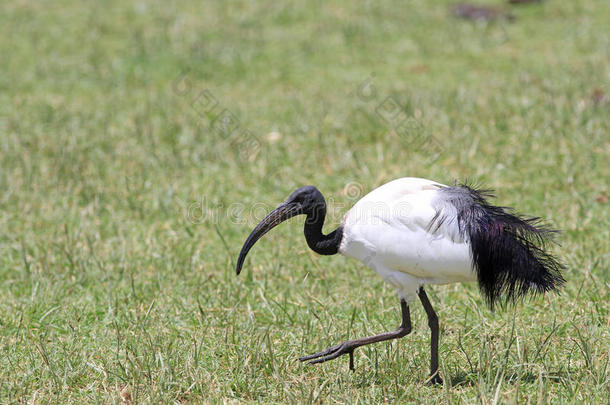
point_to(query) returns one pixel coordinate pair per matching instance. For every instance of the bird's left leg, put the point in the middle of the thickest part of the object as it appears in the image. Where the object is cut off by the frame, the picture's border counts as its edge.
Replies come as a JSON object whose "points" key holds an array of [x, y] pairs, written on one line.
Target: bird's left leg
{"points": [[349, 346]]}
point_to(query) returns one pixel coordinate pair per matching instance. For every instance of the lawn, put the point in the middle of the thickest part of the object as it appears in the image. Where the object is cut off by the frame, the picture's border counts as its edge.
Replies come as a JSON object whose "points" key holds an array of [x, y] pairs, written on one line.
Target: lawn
{"points": [[141, 141]]}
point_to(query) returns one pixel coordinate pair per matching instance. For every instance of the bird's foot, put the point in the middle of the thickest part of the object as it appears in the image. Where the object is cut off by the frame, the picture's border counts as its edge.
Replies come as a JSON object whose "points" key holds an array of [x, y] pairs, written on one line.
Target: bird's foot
{"points": [[332, 353], [434, 379]]}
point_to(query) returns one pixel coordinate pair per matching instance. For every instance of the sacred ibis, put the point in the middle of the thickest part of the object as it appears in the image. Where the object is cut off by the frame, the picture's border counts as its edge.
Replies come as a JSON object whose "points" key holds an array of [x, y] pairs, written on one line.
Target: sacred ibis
{"points": [[414, 232]]}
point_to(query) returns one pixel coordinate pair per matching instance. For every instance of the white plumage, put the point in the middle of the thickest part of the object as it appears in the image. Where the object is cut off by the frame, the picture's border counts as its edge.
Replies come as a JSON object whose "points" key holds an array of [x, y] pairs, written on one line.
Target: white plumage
{"points": [[390, 231]]}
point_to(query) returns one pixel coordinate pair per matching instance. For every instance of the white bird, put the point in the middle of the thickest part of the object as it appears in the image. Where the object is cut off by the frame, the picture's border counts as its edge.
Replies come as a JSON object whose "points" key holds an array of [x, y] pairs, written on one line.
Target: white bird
{"points": [[414, 232]]}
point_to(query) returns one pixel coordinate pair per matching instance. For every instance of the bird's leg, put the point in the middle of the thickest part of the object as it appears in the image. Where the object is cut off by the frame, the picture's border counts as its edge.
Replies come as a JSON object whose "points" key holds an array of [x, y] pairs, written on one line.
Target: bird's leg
{"points": [[349, 346], [434, 330]]}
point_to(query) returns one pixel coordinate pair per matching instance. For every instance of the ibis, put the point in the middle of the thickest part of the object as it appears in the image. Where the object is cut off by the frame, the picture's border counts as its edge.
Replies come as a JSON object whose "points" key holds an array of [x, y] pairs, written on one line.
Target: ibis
{"points": [[414, 232]]}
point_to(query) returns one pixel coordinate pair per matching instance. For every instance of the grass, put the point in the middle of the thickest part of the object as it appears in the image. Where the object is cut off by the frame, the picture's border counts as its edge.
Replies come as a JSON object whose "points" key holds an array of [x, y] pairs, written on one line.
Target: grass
{"points": [[124, 202]]}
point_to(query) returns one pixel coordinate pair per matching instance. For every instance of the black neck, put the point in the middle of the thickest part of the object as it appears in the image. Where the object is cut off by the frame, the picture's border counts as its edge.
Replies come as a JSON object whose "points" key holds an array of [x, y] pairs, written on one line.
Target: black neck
{"points": [[317, 241]]}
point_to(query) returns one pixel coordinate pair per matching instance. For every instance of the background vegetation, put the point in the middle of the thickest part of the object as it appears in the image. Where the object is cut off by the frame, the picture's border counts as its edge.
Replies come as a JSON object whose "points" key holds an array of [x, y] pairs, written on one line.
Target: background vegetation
{"points": [[124, 200]]}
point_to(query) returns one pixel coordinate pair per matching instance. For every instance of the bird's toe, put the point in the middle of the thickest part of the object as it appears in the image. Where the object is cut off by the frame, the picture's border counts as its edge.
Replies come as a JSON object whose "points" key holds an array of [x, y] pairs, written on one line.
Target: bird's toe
{"points": [[330, 354], [323, 353], [435, 380]]}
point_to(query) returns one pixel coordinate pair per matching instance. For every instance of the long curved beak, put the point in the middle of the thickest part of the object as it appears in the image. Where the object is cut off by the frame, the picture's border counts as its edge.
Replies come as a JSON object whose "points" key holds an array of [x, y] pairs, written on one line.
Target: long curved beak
{"points": [[282, 213]]}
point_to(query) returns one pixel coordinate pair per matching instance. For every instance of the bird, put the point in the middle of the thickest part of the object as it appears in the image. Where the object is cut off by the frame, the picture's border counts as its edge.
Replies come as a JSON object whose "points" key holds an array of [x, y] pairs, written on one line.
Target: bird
{"points": [[415, 232]]}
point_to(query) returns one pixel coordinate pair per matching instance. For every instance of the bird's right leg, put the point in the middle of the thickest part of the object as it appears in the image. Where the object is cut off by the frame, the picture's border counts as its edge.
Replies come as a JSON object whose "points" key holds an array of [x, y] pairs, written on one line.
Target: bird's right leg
{"points": [[435, 378], [349, 346]]}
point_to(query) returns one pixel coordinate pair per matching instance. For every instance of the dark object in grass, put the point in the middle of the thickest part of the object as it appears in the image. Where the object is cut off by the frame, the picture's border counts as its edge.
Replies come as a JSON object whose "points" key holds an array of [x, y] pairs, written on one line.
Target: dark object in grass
{"points": [[524, 1], [414, 232], [476, 12]]}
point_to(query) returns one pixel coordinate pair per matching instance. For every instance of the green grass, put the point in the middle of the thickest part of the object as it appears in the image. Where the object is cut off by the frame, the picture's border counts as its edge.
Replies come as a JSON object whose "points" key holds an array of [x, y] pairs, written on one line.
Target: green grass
{"points": [[122, 210]]}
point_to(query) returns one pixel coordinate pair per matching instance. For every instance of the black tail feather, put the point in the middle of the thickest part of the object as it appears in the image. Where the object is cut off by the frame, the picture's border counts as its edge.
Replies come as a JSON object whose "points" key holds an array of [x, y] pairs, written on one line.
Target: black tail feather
{"points": [[508, 251]]}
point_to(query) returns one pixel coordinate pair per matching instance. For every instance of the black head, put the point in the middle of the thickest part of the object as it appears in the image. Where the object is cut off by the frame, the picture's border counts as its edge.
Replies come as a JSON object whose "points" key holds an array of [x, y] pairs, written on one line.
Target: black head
{"points": [[302, 201], [306, 198]]}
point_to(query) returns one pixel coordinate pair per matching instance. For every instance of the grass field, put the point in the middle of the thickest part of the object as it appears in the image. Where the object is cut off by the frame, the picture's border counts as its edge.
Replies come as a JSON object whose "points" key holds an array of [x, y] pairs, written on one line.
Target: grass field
{"points": [[140, 142]]}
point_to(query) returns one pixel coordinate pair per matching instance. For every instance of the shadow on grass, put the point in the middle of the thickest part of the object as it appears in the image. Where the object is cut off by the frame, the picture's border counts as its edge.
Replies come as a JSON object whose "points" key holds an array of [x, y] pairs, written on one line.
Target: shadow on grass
{"points": [[470, 379]]}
